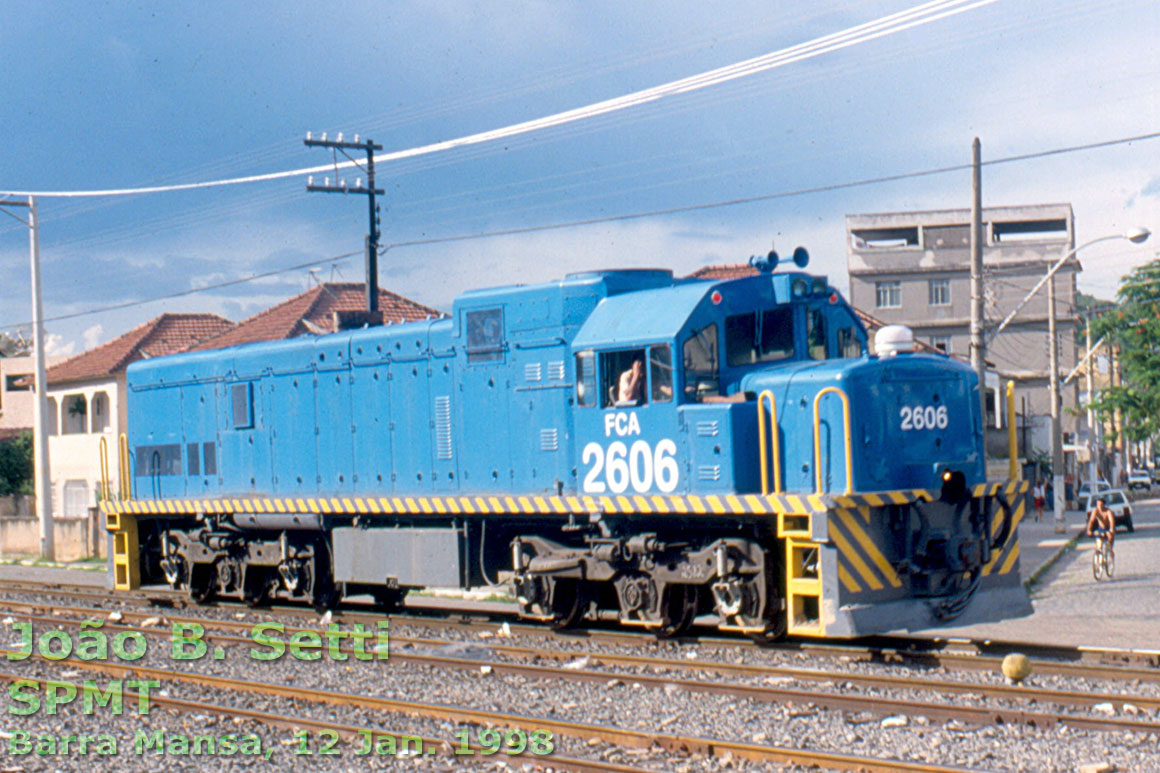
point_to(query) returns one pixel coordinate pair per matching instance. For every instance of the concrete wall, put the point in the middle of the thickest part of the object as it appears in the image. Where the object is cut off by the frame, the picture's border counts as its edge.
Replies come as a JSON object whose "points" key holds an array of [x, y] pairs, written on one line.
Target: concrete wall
{"points": [[75, 537]]}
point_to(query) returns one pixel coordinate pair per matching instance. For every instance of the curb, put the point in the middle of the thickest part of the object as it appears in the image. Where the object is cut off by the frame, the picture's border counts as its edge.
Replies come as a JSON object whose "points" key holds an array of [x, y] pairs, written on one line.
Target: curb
{"points": [[1029, 583]]}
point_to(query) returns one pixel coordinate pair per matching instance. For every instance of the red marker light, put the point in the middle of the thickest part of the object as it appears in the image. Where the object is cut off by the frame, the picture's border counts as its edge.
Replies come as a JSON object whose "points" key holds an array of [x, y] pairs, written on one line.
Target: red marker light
{"points": [[833, 298], [715, 297]]}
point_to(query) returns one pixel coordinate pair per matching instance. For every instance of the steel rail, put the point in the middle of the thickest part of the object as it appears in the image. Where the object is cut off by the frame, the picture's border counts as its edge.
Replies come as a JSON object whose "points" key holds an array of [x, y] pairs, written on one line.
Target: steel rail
{"points": [[839, 701], [1112, 664], [684, 745], [345, 731]]}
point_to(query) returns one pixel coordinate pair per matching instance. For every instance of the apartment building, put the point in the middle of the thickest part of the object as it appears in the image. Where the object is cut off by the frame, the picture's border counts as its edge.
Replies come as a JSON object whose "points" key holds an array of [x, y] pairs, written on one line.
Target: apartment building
{"points": [[913, 268]]}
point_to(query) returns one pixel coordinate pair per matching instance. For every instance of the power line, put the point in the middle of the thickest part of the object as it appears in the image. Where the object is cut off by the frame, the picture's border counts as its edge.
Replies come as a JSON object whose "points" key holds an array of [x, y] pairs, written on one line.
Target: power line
{"points": [[891, 24], [191, 291], [624, 217]]}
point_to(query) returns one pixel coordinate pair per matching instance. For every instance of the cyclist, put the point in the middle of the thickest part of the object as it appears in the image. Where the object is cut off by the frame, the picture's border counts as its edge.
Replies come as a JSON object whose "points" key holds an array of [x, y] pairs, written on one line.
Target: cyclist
{"points": [[1102, 521]]}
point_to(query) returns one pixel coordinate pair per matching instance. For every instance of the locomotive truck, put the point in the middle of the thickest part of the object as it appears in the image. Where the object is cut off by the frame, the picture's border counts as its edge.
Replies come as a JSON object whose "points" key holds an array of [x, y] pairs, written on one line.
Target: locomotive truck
{"points": [[620, 442]]}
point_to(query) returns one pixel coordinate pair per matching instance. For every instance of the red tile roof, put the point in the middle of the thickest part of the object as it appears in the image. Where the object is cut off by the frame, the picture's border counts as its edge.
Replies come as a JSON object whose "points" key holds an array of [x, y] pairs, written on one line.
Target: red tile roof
{"points": [[312, 312], [738, 270], [167, 334]]}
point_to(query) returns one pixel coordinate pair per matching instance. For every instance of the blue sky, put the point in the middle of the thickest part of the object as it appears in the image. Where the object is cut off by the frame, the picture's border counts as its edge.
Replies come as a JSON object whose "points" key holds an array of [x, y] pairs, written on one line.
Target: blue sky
{"points": [[112, 95]]}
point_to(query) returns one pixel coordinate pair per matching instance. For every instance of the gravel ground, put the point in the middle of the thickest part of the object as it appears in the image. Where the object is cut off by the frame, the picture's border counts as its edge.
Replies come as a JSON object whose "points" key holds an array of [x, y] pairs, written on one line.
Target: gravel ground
{"points": [[621, 702]]}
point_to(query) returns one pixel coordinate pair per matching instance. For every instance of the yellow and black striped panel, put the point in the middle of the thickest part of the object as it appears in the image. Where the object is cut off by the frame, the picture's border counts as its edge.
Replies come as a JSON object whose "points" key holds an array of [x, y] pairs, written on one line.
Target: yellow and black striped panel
{"points": [[1006, 559], [730, 504], [723, 504], [862, 566]]}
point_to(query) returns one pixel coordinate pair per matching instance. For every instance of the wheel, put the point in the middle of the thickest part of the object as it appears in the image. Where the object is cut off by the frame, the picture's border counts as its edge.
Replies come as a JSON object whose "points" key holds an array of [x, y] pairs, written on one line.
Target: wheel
{"points": [[1098, 562], [1109, 561], [680, 605], [561, 602]]}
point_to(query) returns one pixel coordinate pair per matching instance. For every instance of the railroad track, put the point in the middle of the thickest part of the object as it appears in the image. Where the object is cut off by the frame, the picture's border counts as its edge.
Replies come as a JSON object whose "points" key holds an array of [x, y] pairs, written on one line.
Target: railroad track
{"points": [[959, 654], [1012, 709], [581, 733]]}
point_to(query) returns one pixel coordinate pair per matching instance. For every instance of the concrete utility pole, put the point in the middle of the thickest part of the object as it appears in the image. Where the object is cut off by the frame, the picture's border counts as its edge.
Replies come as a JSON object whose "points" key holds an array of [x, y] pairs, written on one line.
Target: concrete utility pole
{"points": [[1094, 459], [372, 241], [42, 477], [1057, 481], [978, 345]]}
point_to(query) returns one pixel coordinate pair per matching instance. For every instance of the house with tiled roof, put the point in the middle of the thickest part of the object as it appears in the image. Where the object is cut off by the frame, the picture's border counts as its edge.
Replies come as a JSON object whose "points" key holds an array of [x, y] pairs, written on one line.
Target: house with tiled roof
{"points": [[86, 403], [327, 308]]}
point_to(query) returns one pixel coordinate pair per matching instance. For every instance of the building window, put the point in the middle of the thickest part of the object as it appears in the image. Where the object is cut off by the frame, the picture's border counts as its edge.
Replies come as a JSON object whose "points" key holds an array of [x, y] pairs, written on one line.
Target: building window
{"points": [[942, 343], [75, 415], [100, 411], [884, 238], [940, 292], [18, 382], [889, 295]]}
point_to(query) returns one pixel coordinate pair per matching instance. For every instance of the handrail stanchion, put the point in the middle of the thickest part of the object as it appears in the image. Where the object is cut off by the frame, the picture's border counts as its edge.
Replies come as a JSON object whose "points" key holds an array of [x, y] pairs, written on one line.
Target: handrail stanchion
{"points": [[104, 448], [818, 439], [761, 439], [1013, 460], [126, 477]]}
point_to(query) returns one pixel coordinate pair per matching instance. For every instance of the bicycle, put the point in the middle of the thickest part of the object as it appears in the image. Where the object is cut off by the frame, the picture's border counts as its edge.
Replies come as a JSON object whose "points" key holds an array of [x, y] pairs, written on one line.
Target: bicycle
{"points": [[1103, 559]]}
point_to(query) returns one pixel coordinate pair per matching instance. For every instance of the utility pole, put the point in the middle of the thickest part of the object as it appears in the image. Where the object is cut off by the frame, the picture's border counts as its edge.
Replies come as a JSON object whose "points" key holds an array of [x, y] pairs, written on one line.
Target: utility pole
{"points": [[341, 186], [41, 473], [978, 344], [1057, 480], [1093, 430]]}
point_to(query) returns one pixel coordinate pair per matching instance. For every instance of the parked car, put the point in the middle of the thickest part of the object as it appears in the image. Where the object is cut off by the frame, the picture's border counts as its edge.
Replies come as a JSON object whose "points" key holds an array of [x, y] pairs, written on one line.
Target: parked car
{"points": [[1139, 479], [1117, 502], [1086, 488]]}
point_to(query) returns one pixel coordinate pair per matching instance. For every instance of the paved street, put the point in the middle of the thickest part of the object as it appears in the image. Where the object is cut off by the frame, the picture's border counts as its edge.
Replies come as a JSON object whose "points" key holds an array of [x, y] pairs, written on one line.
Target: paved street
{"points": [[1071, 607]]}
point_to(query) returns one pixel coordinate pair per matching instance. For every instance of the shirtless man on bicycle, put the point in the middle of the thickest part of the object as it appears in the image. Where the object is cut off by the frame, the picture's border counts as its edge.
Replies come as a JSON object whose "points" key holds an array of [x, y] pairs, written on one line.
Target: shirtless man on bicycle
{"points": [[1103, 521]]}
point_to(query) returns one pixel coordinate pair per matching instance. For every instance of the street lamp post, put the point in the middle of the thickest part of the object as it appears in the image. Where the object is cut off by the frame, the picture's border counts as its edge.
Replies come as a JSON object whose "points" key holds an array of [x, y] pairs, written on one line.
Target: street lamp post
{"points": [[1136, 236]]}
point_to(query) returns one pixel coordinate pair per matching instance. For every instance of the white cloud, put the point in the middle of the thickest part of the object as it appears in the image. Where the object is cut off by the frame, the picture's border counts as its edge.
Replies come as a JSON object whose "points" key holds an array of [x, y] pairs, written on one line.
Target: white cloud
{"points": [[92, 336], [55, 346]]}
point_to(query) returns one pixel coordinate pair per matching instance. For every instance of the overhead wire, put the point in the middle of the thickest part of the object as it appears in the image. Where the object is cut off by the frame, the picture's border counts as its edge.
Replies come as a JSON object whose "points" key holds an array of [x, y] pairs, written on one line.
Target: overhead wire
{"points": [[638, 215], [891, 24]]}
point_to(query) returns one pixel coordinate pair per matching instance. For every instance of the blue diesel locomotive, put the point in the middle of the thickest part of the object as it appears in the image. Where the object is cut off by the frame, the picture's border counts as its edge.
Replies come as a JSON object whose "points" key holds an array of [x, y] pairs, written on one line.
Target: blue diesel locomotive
{"points": [[617, 440]]}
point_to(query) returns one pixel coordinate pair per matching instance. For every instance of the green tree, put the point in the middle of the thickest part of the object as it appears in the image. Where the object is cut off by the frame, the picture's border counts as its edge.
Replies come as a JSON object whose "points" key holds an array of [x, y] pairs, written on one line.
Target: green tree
{"points": [[1134, 327], [16, 465]]}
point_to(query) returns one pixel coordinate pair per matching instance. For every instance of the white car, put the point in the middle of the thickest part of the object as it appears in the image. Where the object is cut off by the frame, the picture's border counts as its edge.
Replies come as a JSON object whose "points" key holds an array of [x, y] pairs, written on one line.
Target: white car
{"points": [[1086, 488], [1139, 479], [1117, 502]]}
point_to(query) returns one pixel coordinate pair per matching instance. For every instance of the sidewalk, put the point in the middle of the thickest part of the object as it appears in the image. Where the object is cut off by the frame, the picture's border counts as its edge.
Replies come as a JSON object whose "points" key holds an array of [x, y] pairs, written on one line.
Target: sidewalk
{"points": [[1040, 545]]}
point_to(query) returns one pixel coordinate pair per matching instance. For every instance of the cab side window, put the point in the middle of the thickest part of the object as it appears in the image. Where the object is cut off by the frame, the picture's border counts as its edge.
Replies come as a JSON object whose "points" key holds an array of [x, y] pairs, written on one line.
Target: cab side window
{"points": [[700, 361], [623, 378], [484, 335], [660, 363], [816, 333]]}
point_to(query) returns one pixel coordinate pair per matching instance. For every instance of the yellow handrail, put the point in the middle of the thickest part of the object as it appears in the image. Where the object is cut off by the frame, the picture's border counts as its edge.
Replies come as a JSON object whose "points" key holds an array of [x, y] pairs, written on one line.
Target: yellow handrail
{"points": [[126, 478], [104, 448], [761, 433], [1013, 460], [818, 439]]}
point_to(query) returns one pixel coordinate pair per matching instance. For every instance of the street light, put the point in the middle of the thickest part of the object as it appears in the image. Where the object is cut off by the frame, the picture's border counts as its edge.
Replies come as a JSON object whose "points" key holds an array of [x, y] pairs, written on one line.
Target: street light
{"points": [[1136, 236]]}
